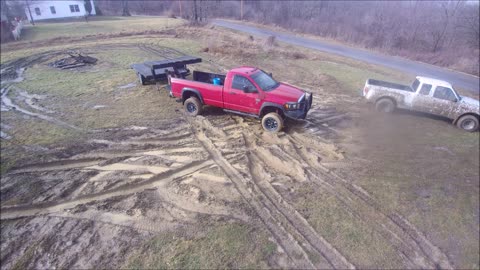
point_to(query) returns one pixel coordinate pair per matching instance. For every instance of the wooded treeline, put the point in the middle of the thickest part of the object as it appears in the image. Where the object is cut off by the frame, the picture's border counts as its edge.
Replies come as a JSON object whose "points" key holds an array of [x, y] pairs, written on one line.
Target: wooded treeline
{"points": [[439, 32]]}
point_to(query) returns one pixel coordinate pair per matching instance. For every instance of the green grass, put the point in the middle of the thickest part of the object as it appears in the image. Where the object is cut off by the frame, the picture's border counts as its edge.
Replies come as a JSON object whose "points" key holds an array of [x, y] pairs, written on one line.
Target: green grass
{"points": [[223, 246], [348, 233], [427, 171], [97, 25]]}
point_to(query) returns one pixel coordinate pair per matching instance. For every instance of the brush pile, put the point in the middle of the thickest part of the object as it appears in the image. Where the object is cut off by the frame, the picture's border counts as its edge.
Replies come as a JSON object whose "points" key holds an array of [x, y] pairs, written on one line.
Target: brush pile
{"points": [[74, 61]]}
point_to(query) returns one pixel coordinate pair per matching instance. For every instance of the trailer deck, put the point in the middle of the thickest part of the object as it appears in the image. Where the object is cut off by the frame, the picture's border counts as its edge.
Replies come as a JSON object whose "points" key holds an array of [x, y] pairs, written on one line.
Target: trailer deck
{"points": [[155, 71]]}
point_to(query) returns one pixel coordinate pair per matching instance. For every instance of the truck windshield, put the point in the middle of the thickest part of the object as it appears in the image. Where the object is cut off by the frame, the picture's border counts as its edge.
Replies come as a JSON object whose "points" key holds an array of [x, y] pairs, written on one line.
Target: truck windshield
{"points": [[264, 81]]}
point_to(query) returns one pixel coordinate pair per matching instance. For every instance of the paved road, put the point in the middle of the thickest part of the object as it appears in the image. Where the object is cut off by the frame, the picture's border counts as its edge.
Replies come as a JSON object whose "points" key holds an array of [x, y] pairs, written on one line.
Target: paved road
{"points": [[460, 80]]}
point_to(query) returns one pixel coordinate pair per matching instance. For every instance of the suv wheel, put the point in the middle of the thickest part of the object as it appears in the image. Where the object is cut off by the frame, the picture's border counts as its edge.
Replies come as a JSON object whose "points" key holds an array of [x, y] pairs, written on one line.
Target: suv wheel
{"points": [[468, 123], [193, 106], [272, 122]]}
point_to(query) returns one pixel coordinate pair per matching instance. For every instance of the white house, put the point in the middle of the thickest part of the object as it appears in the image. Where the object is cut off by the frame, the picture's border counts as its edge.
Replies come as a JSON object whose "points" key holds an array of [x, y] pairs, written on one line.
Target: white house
{"points": [[42, 10]]}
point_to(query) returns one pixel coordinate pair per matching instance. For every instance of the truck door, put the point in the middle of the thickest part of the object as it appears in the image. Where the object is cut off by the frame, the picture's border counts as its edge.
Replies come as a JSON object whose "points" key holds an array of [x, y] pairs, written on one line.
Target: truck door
{"points": [[422, 99], [241, 95], [444, 101]]}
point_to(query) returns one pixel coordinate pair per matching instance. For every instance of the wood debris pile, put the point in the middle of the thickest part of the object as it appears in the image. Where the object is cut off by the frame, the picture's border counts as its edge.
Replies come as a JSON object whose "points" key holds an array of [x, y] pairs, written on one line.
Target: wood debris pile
{"points": [[75, 60]]}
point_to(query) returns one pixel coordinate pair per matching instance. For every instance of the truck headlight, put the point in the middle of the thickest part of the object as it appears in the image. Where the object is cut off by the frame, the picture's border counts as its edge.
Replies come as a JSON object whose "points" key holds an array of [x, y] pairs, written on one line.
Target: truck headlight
{"points": [[291, 106]]}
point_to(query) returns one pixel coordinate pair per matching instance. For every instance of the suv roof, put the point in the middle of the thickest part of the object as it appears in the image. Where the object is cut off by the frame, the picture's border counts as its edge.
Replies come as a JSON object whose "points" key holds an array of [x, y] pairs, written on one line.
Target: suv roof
{"points": [[434, 81]]}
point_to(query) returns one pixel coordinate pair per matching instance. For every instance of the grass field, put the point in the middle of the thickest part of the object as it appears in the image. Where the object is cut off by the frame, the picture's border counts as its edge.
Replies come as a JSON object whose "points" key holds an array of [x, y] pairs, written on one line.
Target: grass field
{"points": [[420, 167], [97, 25]]}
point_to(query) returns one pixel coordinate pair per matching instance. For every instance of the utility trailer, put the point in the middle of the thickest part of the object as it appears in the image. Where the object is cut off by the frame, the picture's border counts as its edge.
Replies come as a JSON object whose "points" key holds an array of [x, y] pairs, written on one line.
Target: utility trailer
{"points": [[157, 71]]}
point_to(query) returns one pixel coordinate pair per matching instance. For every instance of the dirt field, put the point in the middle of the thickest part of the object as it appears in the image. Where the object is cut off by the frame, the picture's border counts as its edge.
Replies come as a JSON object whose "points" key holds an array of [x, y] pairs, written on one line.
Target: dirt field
{"points": [[101, 172]]}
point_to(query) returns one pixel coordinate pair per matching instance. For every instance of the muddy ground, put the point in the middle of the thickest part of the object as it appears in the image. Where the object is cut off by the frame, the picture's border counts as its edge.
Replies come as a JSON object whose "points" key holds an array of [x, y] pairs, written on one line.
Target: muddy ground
{"points": [[346, 188]]}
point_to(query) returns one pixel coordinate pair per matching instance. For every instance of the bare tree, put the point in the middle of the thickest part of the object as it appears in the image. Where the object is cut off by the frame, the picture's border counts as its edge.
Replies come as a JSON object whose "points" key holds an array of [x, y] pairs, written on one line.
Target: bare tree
{"points": [[469, 25], [125, 11], [439, 28]]}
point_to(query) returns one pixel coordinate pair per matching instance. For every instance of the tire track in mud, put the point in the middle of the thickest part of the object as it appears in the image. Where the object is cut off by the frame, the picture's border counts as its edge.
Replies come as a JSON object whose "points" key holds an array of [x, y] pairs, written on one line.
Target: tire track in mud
{"points": [[8, 104], [303, 246], [410, 243], [310, 237], [183, 163], [156, 181], [57, 165], [405, 238]]}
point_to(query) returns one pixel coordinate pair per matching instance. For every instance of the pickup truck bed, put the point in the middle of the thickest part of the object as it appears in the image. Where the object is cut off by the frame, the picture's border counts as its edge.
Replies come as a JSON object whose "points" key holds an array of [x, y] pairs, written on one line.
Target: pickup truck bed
{"points": [[390, 85], [206, 77]]}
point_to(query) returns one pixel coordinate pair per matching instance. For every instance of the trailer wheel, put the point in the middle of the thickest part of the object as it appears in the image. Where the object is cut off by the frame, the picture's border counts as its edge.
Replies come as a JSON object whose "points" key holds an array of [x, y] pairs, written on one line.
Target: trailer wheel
{"points": [[193, 106], [272, 122], [468, 123], [141, 78], [385, 105]]}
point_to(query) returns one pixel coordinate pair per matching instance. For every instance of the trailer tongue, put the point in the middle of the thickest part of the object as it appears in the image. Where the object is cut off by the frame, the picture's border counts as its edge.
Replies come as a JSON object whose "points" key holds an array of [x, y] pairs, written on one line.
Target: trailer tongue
{"points": [[156, 71]]}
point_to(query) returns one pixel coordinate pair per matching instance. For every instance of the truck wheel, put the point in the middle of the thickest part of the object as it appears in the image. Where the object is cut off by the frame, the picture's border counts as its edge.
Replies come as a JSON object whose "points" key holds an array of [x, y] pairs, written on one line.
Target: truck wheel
{"points": [[385, 105], [141, 78], [193, 106], [468, 123], [272, 122]]}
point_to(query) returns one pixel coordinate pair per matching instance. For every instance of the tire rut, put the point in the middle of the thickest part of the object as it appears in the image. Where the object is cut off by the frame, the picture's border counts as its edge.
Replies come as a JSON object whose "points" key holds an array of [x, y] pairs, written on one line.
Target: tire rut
{"points": [[405, 238], [410, 244], [319, 245], [277, 219], [161, 179]]}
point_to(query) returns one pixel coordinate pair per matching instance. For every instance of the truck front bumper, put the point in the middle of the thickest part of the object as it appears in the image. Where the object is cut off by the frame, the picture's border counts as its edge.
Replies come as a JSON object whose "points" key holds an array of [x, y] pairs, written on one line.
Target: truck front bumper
{"points": [[302, 112]]}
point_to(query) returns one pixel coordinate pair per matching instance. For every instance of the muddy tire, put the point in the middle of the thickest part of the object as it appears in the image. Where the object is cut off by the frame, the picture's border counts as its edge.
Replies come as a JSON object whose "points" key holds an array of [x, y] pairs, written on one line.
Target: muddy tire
{"points": [[385, 105], [272, 122], [141, 79], [468, 123], [193, 106]]}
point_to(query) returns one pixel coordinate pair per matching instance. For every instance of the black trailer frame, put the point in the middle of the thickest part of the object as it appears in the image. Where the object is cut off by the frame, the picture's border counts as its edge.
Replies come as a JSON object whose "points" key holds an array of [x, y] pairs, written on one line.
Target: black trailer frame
{"points": [[157, 71]]}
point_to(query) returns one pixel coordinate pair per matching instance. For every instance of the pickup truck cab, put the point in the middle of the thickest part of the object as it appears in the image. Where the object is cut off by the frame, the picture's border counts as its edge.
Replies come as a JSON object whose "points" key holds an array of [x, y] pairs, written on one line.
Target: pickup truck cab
{"points": [[426, 95], [247, 91]]}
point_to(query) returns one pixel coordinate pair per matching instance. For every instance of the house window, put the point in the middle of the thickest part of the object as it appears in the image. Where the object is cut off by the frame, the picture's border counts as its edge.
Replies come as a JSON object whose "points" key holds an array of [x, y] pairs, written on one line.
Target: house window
{"points": [[52, 9], [37, 11], [74, 8]]}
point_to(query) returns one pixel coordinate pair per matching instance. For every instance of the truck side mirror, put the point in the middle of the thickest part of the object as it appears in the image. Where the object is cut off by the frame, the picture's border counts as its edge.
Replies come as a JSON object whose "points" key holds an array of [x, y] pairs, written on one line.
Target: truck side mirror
{"points": [[270, 74]]}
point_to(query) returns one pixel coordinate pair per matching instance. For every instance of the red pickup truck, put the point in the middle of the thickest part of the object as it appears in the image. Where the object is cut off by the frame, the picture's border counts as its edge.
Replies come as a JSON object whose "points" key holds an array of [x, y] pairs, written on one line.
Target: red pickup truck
{"points": [[247, 91]]}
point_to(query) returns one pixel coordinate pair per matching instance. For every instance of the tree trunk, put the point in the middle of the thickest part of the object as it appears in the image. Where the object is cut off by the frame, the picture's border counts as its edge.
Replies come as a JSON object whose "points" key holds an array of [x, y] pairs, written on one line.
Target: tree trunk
{"points": [[241, 10], [30, 12], [125, 11], [195, 13]]}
